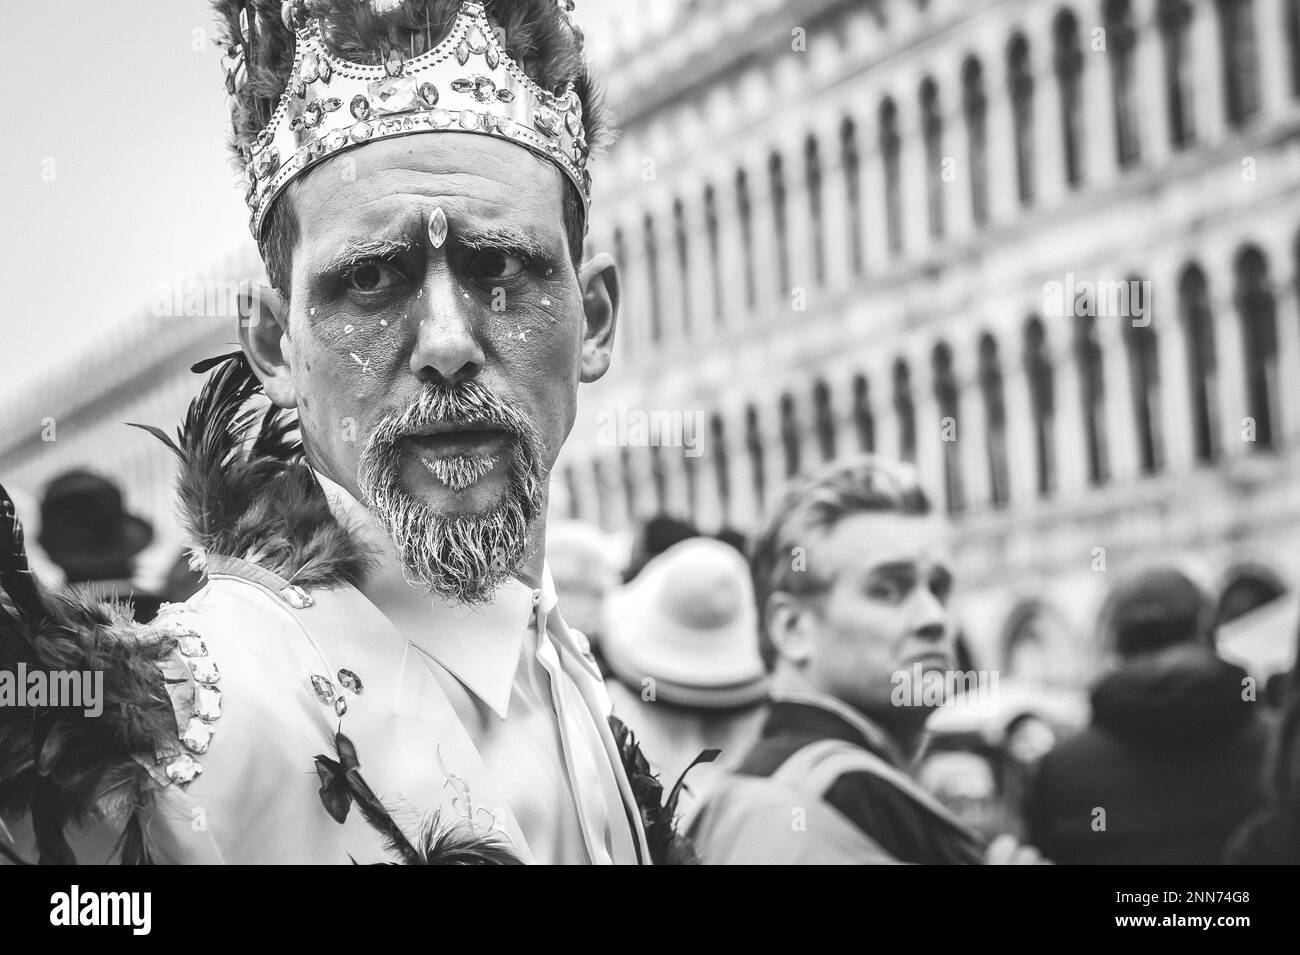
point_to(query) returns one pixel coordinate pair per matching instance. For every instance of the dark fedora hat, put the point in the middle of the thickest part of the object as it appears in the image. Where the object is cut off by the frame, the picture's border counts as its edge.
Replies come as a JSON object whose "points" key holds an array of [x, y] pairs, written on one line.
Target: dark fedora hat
{"points": [[85, 528]]}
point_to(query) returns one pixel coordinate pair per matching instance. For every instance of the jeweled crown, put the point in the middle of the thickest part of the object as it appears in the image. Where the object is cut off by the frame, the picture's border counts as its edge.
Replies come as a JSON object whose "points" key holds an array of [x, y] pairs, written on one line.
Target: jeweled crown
{"points": [[467, 83]]}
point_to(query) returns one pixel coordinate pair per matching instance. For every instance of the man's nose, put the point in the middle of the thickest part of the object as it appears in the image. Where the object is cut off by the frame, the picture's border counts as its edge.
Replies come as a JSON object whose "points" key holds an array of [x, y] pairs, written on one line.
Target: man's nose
{"points": [[447, 348], [929, 616]]}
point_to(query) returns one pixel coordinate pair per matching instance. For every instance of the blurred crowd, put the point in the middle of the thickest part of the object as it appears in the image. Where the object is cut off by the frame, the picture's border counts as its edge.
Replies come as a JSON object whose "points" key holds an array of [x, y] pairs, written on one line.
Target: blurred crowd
{"points": [[822, 663]]}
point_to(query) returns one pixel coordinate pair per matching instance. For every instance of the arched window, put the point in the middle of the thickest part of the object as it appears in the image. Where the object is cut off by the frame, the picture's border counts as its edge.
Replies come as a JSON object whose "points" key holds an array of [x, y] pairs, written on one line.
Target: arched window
{"points": [[598, 477], [1144, 382], [721, 465], [1069, 81], [905, 411], [852, 164], [813, 173], [620, 251], [659, 478], [1176, 38], [715, 258], [1255, 309], [1092, 386], [1293, 43], [948, 397], [628, 476], [864, 422], [1240, 59], [690, 470], [790, 436], [571, 489], [824, 423], [995, 420], [932, 135], [652, 279], [891, 157], [1021, 82], [745, 213], [776, 178], [1202, 360], [1042, 398], [754, 448], [1121, 39], [683, 263], [975, 106]]}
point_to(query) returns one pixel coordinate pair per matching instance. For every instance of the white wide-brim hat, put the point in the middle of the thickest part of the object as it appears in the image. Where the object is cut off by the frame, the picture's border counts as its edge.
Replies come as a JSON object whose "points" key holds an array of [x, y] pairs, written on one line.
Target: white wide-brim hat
{"points": [[687, 621]]}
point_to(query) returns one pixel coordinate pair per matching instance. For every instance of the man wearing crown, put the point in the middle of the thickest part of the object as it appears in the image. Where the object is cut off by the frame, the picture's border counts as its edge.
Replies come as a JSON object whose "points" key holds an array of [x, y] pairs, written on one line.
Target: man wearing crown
{"points": [[377, 669]]}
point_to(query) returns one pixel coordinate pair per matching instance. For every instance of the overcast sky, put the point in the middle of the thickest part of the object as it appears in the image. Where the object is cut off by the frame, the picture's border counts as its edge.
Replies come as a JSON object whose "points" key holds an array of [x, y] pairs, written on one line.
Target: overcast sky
{"points": [[114, 174]]}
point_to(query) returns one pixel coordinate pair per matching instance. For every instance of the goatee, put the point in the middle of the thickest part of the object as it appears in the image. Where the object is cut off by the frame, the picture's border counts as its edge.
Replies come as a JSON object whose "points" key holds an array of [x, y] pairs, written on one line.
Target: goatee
{"points": [[462, 557]]}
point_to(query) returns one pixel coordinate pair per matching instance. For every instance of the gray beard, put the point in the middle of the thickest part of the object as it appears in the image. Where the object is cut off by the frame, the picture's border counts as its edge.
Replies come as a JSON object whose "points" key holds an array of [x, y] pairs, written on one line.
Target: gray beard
{"points": [[463, 558]]}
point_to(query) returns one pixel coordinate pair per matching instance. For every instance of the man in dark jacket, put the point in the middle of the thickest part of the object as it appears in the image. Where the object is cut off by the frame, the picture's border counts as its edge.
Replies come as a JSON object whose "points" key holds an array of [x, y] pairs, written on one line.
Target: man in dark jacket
{"points": [[1173, 760], [851, 583]]}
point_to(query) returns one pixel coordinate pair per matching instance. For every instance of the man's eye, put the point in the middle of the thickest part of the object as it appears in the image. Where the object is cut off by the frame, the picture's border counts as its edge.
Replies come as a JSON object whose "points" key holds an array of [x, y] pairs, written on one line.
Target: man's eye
{"points": [[373, 277], [884, 590], [494, 264]]}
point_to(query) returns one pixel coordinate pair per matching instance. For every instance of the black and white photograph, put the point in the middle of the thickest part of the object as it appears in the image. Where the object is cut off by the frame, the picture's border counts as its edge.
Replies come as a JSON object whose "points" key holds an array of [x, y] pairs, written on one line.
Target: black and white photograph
{"points": [[689, 432]]}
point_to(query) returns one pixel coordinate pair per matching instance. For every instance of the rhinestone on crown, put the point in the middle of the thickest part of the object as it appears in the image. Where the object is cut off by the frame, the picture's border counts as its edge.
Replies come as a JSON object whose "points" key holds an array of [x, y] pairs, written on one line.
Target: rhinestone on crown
{"points": [[467, 83]]}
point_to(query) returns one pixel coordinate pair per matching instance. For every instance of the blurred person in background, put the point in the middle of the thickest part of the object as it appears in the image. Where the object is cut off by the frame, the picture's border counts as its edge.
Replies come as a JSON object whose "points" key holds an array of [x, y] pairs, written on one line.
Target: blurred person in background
{"points": [[1172, 762], [655, 536], [1271, 836], [578, 555], [87, 531], [851, 586], [681, 643]]}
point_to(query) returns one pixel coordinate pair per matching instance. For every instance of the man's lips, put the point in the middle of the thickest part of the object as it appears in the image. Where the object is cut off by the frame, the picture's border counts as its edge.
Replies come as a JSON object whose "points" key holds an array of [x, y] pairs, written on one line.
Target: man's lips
{"points": [[485, 441]]}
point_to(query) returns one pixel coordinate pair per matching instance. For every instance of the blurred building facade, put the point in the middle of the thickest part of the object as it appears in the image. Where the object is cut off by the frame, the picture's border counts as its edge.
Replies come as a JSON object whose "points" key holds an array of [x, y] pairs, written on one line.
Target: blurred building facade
{"points": [[850, 226], [838, 222], [137, 371]]}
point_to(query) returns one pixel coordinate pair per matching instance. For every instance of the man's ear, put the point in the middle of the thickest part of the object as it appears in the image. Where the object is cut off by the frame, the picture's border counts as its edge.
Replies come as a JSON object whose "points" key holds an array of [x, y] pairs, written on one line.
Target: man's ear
{"points": [[790, 625], [264, 337], [598, 278]]}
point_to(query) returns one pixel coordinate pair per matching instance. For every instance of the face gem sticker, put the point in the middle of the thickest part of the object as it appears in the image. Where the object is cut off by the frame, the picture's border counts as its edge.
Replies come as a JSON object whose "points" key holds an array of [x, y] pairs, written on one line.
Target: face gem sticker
{"points": [[438, 227]]}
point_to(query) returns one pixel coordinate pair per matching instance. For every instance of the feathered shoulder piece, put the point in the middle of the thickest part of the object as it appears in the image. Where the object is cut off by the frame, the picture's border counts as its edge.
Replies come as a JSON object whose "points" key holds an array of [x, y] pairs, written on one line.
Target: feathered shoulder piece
{"points": [[246, 490], [64, 765]]}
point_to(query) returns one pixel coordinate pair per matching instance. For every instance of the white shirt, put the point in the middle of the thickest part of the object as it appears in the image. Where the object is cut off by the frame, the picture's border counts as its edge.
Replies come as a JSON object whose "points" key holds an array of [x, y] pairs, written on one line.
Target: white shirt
{"points": [[501, 672]]}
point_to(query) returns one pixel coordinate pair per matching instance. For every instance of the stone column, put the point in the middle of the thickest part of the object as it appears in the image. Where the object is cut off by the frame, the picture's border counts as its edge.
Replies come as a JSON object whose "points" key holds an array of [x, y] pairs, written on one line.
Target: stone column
{"points": [[1149, 78], [1120, 417], [1100, 156], [1208, 95]]}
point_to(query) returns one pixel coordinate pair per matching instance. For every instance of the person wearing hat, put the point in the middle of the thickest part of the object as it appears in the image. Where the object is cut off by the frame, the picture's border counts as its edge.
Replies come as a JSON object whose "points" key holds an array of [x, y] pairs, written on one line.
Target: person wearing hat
{"points": [[87, 532], [1172, 762], [680, 640]]}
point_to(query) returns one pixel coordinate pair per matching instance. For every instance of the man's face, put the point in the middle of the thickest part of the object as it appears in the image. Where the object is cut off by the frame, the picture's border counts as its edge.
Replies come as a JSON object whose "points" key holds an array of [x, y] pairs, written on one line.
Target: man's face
{"points": [[885, 609], [437, 382]]}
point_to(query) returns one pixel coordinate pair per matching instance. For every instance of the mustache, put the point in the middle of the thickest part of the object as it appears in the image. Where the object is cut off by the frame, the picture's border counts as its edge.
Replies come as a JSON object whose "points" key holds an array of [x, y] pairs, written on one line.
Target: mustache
{"points": [[463, 404]]}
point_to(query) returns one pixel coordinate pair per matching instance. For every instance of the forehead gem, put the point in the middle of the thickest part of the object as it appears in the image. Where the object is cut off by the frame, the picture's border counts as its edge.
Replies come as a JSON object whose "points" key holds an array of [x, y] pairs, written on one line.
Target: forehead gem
{"points": [[428, 94], [360, 107], [438, 228]]}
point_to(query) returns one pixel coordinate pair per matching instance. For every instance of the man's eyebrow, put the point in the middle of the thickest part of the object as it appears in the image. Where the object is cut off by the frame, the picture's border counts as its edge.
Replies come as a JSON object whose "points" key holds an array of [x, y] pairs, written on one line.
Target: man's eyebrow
{"points": [[499, 237], [355, 251], [894, 567]]}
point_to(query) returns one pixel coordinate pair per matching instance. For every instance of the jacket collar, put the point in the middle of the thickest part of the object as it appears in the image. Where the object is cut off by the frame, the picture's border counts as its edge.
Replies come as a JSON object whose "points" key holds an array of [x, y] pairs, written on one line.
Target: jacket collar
{"points": [[829, 718], [480, 645]]}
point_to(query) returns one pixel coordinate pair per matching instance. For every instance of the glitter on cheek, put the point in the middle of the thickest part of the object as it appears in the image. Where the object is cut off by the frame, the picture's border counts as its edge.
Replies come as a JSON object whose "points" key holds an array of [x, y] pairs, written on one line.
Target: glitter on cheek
{"points": [[348, 329], [545, 303]]}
